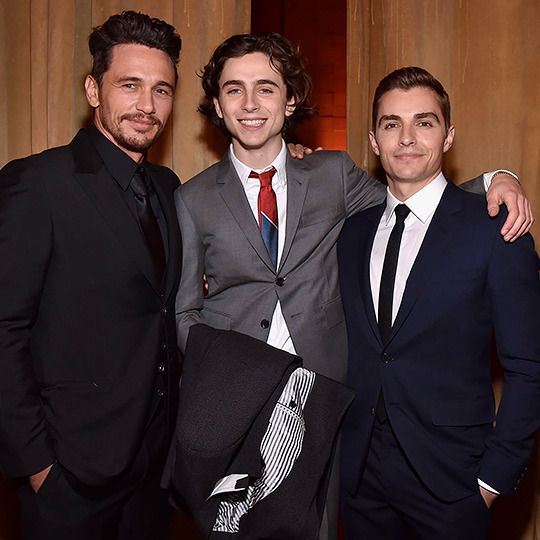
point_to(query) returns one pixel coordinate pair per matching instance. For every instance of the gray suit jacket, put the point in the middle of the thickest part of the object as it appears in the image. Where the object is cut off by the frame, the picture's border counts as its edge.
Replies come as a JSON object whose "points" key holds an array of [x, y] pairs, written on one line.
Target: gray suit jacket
{"points": [[221, 240]]}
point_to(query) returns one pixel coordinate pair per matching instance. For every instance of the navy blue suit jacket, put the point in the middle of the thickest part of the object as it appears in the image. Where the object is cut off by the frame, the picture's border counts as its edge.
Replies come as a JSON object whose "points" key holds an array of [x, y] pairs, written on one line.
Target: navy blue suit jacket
{"points": [[466, 285]]}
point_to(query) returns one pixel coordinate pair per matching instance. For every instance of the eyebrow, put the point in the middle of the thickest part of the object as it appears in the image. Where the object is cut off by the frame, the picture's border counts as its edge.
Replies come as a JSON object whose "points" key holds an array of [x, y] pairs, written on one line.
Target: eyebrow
{"points": [[417, 116], [234, 82], [139, 80]]}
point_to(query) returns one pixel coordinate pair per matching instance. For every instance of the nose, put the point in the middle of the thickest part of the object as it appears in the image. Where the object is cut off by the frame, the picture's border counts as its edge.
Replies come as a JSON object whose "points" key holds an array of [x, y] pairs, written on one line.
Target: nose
{"points": [[250, 103], [407, 136], [145, 102]]}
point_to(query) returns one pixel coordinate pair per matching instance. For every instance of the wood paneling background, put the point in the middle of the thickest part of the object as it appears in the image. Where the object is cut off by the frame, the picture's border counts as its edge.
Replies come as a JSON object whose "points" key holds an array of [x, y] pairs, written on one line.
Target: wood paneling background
{"points": [[486, 53]]}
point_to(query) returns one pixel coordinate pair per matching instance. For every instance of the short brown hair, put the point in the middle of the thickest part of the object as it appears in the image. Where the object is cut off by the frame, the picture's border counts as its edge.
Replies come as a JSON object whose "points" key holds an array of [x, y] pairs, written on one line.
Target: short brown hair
{"points": [[131, 27], [282, 56], [407, 78]]}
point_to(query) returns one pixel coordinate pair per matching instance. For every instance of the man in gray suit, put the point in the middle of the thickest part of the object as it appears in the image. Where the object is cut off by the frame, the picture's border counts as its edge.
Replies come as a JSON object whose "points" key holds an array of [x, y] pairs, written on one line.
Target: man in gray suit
{"points": [[262, 227]]}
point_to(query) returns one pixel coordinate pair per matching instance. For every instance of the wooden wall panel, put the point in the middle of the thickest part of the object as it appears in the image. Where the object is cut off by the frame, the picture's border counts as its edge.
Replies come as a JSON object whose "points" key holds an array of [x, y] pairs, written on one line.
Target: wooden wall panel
{"points": [[485, 52]]}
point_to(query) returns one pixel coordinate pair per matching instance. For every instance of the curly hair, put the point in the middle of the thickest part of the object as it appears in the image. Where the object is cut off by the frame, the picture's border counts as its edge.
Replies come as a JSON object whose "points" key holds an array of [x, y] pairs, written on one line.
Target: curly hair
{"points": [[283, 58], [407, 78], [131, 27]]}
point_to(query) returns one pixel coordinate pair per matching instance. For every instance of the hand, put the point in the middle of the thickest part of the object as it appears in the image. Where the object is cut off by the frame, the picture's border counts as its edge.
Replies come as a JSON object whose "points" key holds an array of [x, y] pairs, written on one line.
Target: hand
{"points": [[298, 150], [506, 189], [488, 496], [37, 479]]}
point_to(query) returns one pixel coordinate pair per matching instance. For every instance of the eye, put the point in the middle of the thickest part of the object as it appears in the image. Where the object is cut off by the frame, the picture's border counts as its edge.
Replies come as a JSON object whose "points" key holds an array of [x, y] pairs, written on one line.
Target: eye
{"points": [[164, 91], [390, 125], [266, 90], [129, 86], [425, 123], [233, 91]]}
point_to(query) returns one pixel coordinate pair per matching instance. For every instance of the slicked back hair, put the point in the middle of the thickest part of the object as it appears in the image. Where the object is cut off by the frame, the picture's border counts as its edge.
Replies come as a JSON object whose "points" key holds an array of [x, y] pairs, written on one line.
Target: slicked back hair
{"points": [[131, 27], [407, 78]]}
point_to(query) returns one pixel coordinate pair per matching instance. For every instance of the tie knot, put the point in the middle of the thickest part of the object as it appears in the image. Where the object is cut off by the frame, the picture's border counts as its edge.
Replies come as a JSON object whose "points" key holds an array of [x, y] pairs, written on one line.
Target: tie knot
{"points": [[264, 177], [402, 211], [139, 182]]}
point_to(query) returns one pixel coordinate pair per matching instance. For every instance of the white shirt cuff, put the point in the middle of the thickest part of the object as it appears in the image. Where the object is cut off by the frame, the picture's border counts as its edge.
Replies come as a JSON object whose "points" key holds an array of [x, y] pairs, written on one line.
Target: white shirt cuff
{"points": [[488, 176], [488, 487]]}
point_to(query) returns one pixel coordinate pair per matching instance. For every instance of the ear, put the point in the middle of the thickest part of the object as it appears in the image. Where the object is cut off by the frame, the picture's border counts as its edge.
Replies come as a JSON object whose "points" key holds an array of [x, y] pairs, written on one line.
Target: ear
{"points": [[448, 141], [373, 142], [91, 89], [290, 107], [219, 112]]}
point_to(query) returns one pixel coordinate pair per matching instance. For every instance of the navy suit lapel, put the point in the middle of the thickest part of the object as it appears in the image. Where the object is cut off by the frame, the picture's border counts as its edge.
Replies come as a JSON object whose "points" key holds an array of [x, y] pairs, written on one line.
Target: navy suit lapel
{"points": [[371, 224], [96, 182], [297, 186], [235, 198], [430, 255]]}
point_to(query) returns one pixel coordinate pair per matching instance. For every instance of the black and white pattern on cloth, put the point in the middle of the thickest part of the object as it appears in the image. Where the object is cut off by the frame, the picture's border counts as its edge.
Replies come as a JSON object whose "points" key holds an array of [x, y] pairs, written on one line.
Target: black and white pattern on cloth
{"points": [[280, 448]]}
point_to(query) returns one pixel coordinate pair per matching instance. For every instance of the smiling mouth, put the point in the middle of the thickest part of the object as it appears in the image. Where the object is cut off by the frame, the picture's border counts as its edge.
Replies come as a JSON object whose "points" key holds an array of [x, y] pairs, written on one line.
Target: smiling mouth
{"points": [[253, 123]]}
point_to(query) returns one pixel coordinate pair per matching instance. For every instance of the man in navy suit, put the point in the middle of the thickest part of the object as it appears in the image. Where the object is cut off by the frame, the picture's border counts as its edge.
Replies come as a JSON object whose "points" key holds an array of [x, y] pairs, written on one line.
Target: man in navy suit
{"points": [[426, 283]]}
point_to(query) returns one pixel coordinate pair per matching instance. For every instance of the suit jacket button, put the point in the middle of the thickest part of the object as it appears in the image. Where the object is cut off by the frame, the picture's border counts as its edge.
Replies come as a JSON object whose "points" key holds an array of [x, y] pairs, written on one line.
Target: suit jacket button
{"points": [[386, 358], [372, 411], [163, 346], [280, 281], [164, 311], [161, 368], [265, 323], [160, 392]]}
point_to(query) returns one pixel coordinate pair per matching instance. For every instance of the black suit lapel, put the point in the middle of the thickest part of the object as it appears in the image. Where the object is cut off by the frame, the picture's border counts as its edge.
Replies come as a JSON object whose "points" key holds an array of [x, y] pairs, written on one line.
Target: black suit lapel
{"points": [[430, 255], [96, 182], [174, 241]]}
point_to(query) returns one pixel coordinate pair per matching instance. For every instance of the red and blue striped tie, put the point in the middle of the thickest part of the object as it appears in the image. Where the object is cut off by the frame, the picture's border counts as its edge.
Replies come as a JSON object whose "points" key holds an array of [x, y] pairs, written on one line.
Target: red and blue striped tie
{"points": [[268, 217]]}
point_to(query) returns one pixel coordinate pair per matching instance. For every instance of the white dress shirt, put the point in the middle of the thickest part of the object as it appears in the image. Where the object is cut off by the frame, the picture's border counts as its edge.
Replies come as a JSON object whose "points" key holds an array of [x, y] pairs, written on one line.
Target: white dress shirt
{"points": [[279, 335], [422, 206]]}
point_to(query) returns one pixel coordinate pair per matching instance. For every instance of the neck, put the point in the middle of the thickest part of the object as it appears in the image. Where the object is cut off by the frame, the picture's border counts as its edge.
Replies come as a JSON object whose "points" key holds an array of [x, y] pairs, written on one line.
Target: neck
{"points": [[403, 189], [257, 158]]}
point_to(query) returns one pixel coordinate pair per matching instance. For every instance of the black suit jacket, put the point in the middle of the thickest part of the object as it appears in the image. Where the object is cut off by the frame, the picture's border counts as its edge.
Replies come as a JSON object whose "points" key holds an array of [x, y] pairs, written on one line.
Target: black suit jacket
{"points": [[83, 324], [230, 385], [465, 286]]}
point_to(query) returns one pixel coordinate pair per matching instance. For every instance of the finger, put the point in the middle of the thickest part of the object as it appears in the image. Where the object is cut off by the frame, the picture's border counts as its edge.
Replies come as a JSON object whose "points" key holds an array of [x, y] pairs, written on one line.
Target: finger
{"points": [[513, 227]]}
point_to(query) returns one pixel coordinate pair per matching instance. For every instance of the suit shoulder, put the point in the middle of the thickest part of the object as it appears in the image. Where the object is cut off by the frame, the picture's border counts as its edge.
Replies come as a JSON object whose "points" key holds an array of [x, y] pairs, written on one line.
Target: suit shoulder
{"points": [[323, 158], [165, 175], [45, 164], [202, 184]]}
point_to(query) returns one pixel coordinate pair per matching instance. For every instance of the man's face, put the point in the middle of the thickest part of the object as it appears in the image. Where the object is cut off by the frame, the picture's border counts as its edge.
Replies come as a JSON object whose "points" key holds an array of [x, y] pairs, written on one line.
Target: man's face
{"points": [[135, 98], [253, 104], [410, 136]]}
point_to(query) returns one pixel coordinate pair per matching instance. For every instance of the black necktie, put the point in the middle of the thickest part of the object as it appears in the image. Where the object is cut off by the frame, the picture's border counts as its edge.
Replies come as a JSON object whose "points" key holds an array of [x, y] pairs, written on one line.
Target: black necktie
{"points": [[388, 276], [386, 292], [147, 220]]}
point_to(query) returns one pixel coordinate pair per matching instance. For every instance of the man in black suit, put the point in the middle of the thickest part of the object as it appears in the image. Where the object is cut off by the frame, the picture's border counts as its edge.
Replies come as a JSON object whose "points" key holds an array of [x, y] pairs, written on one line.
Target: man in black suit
{"points": [[426, 282], [90, 251]]}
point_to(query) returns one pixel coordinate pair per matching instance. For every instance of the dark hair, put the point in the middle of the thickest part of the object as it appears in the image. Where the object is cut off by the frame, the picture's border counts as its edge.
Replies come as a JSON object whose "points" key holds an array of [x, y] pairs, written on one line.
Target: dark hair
{"points": [[411, 77], [283, 57], [131, 27]]}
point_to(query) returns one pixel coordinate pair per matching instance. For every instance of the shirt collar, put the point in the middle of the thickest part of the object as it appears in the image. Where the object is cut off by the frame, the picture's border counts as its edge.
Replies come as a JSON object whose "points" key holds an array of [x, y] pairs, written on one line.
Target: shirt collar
{"points": [[120, 166], [279, 179], [422, 204]]}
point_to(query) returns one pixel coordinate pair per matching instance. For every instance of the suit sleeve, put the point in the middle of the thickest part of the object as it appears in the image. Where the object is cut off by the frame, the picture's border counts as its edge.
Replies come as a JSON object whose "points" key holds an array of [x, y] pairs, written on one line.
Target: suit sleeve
{"points": [[476, 185], [514, 289], [189, 298], [25, 251], [361, 190]]}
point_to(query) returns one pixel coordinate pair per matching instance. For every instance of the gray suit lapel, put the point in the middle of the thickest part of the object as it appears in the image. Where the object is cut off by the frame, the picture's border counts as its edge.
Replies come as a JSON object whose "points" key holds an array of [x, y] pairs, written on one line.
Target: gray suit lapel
{"points": [[234, 196], [297, 185]]}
